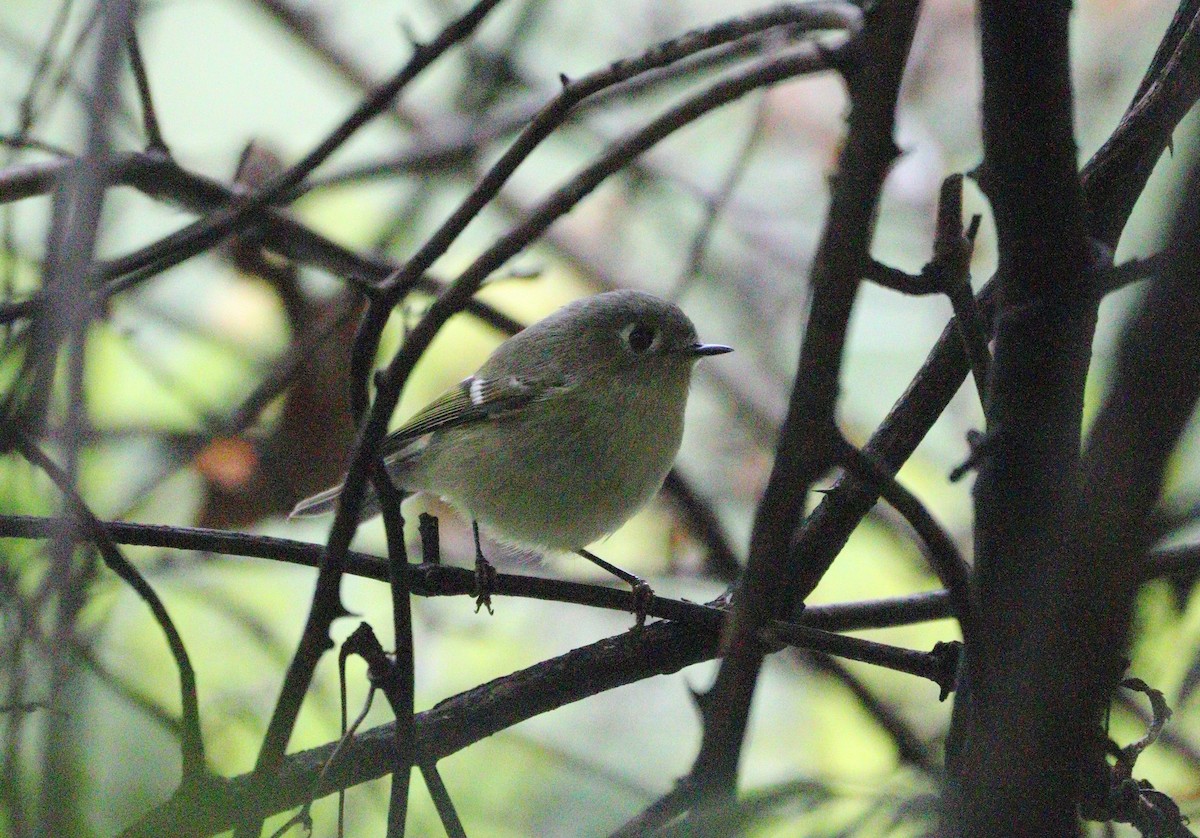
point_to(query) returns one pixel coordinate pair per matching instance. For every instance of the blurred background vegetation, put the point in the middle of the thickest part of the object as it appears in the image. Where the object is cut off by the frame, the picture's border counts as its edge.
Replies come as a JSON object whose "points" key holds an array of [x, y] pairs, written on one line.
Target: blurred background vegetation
{"points": [[722, 217]]}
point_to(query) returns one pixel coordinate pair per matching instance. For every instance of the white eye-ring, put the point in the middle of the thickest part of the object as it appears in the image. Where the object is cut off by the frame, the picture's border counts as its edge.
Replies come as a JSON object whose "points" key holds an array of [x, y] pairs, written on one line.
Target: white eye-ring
{"points": [[640, 338]]}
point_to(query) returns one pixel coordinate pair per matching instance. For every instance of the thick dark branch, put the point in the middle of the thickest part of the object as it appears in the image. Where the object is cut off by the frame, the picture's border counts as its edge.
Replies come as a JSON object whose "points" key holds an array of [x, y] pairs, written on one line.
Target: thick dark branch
{"points": [[659, 649], [829, 527], [804, 448], [1017, 742], [1154, 392]]}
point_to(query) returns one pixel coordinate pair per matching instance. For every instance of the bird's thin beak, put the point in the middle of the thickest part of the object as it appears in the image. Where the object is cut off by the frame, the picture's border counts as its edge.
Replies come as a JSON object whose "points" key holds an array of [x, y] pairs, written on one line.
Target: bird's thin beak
{"points": [[702, 349]]}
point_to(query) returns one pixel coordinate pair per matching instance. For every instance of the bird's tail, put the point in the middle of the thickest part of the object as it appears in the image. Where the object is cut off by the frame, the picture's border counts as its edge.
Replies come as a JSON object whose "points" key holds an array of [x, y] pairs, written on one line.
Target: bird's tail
{"points": [[318, 504], [326, 502], [398, 464]]}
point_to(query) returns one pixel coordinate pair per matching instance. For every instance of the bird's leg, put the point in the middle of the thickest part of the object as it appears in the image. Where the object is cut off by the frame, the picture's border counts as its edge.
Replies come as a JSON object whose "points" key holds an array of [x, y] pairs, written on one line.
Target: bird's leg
{"points": [[485, 575], [642, 592]]}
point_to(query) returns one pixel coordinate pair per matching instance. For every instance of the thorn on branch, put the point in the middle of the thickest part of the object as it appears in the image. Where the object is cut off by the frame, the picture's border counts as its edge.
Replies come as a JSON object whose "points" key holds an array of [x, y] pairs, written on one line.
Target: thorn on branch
{"points": [[894, 279], [409, 33], [973, 227], [947, 655], [950, 271], [947, 241], [363, 642], [980, 445], [154, 137]]}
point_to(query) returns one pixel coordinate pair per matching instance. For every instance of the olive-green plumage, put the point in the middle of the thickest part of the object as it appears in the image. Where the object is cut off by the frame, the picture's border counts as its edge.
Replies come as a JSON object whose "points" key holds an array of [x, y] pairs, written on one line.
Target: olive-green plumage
{"points": [[565, 431]]}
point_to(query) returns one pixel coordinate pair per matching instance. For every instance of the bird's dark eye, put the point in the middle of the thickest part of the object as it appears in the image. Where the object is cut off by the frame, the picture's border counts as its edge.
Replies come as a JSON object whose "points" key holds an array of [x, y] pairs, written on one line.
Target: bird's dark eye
{"points": [[640, 337]]}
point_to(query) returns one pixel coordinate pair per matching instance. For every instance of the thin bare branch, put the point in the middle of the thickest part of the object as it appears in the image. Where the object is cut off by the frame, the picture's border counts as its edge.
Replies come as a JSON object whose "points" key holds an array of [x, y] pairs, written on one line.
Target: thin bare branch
{"points": [[191, 741]]}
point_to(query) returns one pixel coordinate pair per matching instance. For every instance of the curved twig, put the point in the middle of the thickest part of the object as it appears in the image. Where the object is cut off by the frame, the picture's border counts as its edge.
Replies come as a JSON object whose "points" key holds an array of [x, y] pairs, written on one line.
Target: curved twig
{"points": [[191, 741]]}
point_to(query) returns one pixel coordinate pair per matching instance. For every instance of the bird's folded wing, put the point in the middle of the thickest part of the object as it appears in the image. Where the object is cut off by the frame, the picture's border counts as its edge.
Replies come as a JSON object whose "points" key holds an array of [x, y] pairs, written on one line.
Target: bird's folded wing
{"points": [[474, 399]]}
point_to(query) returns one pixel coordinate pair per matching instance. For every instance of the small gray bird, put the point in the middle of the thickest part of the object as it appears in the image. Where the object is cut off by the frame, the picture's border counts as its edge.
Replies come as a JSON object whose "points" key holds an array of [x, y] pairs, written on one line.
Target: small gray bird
{"points": [[565, 431]]}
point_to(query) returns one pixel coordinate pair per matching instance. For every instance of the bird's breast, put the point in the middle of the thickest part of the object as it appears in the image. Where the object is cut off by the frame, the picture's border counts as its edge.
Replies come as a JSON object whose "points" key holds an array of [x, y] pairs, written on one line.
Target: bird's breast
{"points": [[559, 474]]}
